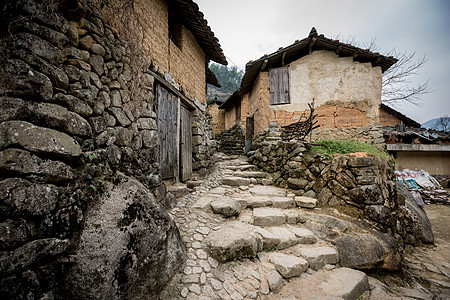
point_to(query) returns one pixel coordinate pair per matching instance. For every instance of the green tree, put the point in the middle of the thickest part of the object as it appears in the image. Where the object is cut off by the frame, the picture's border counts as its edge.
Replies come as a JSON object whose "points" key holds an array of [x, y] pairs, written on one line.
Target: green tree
{"points": [[229, 78]]}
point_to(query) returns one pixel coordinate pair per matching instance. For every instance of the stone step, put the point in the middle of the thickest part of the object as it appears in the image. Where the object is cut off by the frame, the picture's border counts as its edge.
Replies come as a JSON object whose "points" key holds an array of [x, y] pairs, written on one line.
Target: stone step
{"points": [[235, 181], [283, 202], [267, 216], [319, 256], [288, 265], [340, 283], [194, 183], [287, 237], [178, 190], [248, 167], [250, 174], [305, 236], [270, 191], [232, 241], [227, 207], [306, 202]]}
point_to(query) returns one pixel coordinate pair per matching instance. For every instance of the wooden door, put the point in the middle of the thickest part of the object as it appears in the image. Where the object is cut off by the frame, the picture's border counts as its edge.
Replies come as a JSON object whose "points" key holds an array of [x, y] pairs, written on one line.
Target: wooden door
{"points": [[249, 132], [167, 109], [186, 144]]}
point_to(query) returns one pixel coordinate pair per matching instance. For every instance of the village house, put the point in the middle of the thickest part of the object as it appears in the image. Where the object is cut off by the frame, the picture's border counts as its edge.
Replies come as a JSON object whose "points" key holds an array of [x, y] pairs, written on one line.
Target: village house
{"points": [[342, 81], [181, 44]]}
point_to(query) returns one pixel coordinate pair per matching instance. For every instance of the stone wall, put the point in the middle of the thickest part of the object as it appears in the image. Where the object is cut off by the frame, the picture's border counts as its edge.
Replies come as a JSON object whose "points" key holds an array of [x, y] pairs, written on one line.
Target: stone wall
{"points": [[78, 161], [203, 143], [365, 185], [232, 141], [370, 134]]}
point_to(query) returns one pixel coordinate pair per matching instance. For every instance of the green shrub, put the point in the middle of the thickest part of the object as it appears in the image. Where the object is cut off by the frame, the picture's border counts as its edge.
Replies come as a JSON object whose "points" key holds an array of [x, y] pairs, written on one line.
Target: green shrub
{"points": [[328, 147]]}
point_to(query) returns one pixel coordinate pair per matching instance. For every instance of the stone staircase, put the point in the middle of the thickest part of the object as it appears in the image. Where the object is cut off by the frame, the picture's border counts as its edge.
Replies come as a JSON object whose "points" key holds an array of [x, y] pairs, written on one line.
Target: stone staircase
{"points": [[260, 245]]}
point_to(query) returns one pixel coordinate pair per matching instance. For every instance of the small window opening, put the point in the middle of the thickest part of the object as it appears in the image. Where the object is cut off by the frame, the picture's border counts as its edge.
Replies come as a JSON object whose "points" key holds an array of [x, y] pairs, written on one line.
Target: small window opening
{"points": [[175, 30]]}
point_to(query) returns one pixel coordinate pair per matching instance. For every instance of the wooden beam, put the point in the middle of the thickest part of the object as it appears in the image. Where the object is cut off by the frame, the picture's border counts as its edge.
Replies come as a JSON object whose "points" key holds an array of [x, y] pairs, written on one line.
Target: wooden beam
{"points": [[311, 44], [355, 54], [264, 65], [188, 102], [338, 49], [282, 58]]}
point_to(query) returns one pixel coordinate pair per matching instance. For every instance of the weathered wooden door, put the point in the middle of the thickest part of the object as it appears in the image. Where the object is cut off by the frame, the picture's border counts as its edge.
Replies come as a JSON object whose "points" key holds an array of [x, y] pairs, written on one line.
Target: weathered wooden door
{"points": [[186, 144], [167, 131], [249, 132]]}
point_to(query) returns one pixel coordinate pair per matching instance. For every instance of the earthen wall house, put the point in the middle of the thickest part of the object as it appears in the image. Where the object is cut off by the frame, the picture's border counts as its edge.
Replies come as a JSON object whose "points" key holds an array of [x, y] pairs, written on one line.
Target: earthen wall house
{"points": [[175, 51], [343, 81]]}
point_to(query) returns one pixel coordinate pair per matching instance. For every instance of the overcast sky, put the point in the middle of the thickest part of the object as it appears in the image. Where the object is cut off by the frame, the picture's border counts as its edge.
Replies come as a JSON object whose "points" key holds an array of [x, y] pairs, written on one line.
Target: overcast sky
{"points": [[248, 29]]}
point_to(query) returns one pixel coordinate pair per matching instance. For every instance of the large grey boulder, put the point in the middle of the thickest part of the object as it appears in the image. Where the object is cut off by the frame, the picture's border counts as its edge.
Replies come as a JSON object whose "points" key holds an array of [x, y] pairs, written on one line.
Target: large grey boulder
{"points": [[422, 226], [234, 240], [129, 246], [368, 251]]}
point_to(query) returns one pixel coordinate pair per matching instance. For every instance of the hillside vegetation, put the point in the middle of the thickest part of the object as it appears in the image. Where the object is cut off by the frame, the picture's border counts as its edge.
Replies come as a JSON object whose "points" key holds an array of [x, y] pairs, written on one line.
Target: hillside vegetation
{"points": [[229, 78]]}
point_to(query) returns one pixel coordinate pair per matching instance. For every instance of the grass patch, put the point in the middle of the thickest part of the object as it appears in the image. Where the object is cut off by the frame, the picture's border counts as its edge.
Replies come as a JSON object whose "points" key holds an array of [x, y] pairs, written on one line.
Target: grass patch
{"points": [[329, 147]]}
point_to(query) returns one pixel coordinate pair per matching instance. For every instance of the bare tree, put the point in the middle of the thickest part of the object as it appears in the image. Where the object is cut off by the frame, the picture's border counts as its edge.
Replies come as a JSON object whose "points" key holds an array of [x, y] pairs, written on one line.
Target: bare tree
{"points": [[443, 123], [398, 83], [398, 86]]}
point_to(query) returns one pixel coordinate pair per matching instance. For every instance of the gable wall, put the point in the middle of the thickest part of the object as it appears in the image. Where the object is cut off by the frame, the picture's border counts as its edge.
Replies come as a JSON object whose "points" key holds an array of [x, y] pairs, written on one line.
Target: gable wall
{"points": [[187, 66], [346, 93], [387, 119], [259, 103]]}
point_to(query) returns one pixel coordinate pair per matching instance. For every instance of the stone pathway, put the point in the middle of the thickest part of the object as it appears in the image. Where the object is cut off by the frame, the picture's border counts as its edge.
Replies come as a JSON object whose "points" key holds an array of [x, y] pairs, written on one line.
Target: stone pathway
{"points": [[244, 240]]}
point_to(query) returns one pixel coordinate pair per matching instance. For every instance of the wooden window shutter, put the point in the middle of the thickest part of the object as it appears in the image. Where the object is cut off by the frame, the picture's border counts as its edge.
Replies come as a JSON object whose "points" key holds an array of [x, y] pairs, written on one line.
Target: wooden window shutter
{"points": [[279, 86]]}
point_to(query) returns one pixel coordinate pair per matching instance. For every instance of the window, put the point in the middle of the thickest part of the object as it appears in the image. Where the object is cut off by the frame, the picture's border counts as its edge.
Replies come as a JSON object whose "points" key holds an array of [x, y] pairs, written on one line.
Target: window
{"points": [[175, 30], [279, 86]]}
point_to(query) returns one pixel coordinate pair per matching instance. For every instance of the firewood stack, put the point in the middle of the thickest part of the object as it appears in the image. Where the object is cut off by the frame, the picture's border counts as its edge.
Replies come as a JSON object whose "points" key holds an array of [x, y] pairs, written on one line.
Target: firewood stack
{"points": [[299, 130]]}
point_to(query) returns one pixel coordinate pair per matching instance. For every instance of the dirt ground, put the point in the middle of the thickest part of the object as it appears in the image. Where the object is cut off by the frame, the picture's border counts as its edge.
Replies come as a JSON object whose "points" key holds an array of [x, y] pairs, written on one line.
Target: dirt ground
{"points": [[439, 216]]}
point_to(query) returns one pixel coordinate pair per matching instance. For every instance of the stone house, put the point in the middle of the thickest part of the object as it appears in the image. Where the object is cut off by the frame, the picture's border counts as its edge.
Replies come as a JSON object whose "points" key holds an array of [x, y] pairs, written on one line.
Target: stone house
{"points": [[181, 45], [73, 127], [343, 82]]}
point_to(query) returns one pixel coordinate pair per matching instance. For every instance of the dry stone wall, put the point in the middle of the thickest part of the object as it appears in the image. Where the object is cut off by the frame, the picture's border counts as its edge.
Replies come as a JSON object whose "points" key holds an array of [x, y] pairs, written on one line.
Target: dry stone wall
{"points": [[203, 143], [232, 141], [79, 160], [364, 184]]}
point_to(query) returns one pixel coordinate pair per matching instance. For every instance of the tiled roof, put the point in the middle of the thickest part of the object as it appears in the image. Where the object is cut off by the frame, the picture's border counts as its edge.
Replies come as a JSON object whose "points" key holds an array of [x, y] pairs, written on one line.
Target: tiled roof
{"points": [[313, 42], [407, 121], [193, 19]]}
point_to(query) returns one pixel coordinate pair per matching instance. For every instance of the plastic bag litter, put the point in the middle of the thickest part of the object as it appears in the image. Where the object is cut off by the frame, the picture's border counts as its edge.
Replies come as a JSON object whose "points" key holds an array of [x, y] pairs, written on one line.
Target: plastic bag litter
{"points": [[418, 199], [417, 179]]}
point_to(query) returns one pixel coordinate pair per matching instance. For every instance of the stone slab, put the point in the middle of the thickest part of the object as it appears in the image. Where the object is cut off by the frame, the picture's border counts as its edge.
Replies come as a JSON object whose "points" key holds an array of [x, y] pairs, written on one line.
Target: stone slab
{"points": [[306, 202], [319, 256], [266, 216], [283, 202], [288, 265], [235, 181], [287, 238], [305, 236]]}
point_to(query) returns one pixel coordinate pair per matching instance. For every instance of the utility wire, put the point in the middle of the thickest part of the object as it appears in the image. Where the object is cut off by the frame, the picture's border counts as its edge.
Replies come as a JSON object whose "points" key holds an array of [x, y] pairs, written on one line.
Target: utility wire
{"points": [[234, 64]]}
